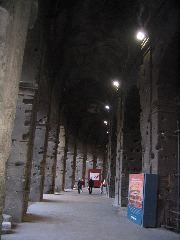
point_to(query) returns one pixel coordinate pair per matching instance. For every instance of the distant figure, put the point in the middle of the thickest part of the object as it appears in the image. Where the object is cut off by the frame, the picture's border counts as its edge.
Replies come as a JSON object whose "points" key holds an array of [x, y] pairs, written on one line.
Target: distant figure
{"points": [[105, 185], [101, 187], [83, 184], [91, 185], [79, 184]]}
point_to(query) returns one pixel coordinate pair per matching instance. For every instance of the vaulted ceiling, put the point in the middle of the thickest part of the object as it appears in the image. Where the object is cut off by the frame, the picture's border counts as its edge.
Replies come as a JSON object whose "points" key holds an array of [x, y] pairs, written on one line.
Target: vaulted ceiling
{"points": [[90, 44]]}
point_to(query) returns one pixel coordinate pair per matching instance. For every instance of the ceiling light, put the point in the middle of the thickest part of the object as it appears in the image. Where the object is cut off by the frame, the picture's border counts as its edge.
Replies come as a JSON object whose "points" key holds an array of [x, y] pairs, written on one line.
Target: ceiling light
{"points": [[140, 35]]}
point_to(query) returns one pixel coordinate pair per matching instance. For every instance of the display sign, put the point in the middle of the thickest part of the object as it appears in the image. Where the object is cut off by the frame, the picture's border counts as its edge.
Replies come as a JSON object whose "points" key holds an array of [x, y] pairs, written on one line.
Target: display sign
{"points": [[135, 197], [95, 174]]}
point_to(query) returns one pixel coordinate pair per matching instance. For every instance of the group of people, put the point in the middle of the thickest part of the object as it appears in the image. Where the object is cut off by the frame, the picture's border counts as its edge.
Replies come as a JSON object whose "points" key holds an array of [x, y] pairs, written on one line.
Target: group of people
{"points": [[81, 184]]}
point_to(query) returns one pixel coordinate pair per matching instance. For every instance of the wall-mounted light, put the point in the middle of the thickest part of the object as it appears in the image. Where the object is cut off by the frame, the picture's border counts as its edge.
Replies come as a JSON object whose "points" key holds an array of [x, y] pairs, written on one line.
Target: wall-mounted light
{"points": [[105, 122], [141, 35], [116, 84], [107, 107]]}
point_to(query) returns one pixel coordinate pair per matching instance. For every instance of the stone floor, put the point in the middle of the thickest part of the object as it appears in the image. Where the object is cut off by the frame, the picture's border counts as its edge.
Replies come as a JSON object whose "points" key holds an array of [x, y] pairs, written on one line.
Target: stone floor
{"points": [[71, 216]]}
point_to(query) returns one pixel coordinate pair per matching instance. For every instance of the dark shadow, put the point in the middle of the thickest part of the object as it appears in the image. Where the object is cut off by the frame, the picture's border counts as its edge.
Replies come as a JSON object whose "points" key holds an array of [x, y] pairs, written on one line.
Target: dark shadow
{"points": [[30, 218], [51, 201]]}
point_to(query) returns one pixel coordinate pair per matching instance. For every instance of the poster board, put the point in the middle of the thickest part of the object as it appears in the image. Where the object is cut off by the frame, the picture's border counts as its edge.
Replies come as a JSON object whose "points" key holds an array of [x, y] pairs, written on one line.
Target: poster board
{"points": [[135, 197], [95, 174], [142, 199]]}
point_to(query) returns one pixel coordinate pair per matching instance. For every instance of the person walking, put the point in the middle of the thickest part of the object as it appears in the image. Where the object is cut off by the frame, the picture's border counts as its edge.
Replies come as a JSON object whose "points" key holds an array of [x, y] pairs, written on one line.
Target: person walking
{"points": [[79, 184], [83, 184], [91, 185], [101, 187]]}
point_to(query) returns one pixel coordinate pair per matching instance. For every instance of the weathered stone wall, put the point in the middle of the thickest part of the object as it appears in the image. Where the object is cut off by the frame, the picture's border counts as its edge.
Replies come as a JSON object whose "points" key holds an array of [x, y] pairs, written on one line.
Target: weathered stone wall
{"points": [[129, 148], [158, 94], [89, 163], [19, 162], [79, 161], [111, 155], [16, 201], [69, 162], [14, 18], [52, 144], [59, 178], [119, 150], [40, 144]]}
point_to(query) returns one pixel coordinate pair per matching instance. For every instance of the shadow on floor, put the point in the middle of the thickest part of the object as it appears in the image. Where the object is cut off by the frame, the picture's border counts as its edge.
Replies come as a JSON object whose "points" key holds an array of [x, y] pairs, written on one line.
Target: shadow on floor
{"points": [[51, 201], [35, 218]]}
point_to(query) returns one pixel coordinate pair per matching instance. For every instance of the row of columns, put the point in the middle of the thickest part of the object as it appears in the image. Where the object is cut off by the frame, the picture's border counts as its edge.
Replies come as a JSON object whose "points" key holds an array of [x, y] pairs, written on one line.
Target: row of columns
{"points": [[74, 159]]}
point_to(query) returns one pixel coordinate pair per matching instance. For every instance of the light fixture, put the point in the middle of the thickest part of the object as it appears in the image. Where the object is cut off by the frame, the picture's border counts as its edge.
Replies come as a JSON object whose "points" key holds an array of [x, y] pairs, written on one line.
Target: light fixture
{"points": [[107, 132], [141, 35], [107, 107], [105, 122], [116, 84]]}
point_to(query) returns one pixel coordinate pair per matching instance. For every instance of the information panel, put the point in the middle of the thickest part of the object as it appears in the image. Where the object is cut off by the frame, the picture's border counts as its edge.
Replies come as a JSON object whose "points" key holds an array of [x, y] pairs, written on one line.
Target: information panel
{"points": [[135, 198], [95, 174]]}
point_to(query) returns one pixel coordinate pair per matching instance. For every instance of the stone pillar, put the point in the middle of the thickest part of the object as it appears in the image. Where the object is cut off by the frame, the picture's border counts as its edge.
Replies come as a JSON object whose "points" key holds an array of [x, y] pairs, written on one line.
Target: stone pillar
{"points": [[99, 163], [52, 144], [95, 156], [39, 148], [129, 152], [69, 162], [112, 158], [19, 162], [60, 164], [79, 161], [17, 196], [50, 161], [104, 172], [89, 162], [40, 142], [74, 164], [14, 19], [84, 162]]}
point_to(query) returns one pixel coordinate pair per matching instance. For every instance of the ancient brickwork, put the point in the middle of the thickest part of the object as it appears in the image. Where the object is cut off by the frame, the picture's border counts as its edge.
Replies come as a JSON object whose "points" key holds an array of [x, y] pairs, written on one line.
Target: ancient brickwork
{"points": [[17, 196], [14, 17], [59, 178], [158, 94], [52, 144], [132, 153], [39, 148], [69, 162], [19, 162], [79, 161]]}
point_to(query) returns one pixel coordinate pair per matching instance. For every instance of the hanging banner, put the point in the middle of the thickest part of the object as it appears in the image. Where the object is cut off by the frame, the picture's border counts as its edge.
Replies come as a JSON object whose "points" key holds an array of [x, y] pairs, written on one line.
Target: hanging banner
{"points": [[135, 197]]}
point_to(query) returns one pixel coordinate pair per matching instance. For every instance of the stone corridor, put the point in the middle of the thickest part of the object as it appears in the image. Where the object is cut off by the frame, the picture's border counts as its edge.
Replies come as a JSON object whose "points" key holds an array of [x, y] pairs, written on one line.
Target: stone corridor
{"points": [[70, 216], [89, 89]]}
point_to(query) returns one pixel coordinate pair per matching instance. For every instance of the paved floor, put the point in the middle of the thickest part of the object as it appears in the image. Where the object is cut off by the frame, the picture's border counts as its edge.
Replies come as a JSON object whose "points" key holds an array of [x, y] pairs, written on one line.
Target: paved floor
{"points": [[70, 216]]}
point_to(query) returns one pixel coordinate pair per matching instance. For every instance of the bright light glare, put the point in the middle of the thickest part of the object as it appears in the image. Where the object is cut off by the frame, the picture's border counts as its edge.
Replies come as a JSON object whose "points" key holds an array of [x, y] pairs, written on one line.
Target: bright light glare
{"points": [[105, 122], [116, 83], [107, 132], [140, 35], [107, 107]]}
